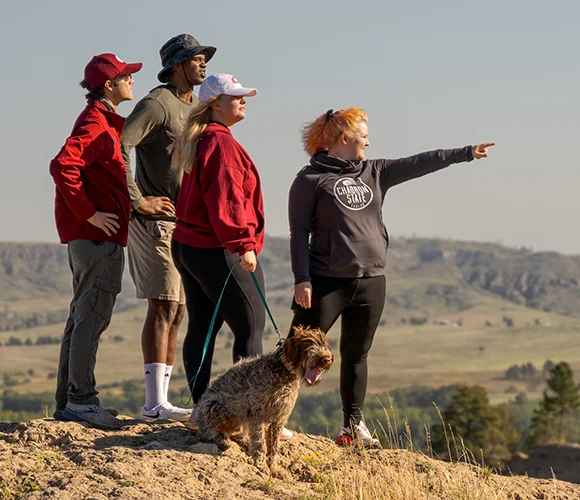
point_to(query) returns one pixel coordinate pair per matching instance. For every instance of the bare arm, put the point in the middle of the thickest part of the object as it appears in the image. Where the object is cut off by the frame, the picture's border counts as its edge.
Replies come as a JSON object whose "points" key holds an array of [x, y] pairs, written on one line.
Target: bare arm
{"points": [[140, 126]]}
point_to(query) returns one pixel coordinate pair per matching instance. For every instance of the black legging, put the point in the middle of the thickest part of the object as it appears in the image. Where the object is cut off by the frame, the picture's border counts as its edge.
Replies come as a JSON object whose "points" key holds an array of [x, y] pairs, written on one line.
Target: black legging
{"points": [[204, 272], [360, 302]]}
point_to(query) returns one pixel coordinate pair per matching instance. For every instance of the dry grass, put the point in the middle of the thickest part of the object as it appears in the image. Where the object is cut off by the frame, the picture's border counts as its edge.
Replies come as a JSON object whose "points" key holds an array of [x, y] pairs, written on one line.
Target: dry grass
{"points": [[403, 473]]}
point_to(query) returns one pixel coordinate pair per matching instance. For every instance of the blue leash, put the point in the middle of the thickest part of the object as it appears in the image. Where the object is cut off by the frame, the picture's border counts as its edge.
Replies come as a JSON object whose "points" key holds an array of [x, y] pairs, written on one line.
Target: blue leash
{"points": [[213, 318]]}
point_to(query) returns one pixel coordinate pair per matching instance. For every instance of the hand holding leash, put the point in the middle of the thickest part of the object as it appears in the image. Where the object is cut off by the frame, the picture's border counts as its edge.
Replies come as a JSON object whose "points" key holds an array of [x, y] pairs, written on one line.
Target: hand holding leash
{"points": [[248, 261]]}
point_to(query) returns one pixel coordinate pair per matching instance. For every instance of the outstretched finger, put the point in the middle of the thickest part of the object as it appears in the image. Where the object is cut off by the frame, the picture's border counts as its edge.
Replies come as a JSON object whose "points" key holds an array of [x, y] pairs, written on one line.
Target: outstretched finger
{"points": [[487, 145]]}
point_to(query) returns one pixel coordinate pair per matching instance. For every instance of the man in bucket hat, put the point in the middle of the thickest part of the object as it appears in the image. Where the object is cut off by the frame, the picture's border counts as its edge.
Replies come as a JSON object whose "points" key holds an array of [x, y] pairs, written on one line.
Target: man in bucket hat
{"points": [[151, 128], [92, 210]]}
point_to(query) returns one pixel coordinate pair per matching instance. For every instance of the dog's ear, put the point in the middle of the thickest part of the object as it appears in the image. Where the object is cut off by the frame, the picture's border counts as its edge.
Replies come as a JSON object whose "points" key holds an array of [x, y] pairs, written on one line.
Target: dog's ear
{"points": [[320, 336], [291, 345]]}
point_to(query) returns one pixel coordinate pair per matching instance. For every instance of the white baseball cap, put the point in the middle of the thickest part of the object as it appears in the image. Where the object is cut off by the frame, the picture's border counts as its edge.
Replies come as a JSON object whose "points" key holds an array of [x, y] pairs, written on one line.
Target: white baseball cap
{"points": [[222, 83]]}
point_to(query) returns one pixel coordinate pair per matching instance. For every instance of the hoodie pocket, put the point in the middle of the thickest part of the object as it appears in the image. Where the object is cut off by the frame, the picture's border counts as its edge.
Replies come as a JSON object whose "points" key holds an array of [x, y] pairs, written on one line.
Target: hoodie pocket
{"points": [[354, 254]]}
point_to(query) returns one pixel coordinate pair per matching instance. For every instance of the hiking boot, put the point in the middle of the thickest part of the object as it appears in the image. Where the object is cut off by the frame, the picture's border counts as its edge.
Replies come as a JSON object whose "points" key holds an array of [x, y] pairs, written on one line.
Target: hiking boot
{"points": [[164, 411], [192, 421], [286, 434], [94, 414], [358, 435], [59, 415]]}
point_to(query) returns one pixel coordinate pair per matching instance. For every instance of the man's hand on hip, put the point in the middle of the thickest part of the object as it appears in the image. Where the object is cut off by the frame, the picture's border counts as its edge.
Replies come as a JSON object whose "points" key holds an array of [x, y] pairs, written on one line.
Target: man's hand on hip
{"points": [[154, 205], [106, 222]]}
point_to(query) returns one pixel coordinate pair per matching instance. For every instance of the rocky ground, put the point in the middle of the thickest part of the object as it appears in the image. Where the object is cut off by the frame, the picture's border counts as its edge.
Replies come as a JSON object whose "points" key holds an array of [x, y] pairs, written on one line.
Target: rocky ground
{"points": [[49, 459]]}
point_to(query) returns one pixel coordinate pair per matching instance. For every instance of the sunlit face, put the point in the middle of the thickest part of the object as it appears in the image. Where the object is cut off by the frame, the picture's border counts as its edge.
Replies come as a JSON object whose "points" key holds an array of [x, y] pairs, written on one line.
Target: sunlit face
{"points": [[194, 69], [356, 143], [229, 109], [121, 88]]}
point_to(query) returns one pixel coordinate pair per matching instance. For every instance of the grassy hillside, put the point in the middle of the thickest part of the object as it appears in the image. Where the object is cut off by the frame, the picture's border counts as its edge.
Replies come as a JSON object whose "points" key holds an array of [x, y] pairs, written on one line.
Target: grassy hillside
{"points": [[463, 292]]}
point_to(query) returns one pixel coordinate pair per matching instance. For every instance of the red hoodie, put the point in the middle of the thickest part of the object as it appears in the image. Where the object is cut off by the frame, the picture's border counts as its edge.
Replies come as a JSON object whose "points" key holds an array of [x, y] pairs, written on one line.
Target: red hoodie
{"points": [[90, 176], [220, 203]]}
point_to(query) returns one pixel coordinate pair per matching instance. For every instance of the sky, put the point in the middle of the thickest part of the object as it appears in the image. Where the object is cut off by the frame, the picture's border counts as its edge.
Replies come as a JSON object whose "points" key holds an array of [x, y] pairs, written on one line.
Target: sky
{"points": [[429, 74]]}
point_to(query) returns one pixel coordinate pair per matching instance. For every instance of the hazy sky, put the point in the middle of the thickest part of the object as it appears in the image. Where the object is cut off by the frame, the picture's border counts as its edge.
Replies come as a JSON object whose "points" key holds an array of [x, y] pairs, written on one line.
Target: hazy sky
{"points": [[430, 75]]}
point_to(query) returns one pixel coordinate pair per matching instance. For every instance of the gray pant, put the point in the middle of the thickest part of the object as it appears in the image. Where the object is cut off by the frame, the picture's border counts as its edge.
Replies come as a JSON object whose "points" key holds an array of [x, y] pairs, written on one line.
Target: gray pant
{"points": [[97, 269]]}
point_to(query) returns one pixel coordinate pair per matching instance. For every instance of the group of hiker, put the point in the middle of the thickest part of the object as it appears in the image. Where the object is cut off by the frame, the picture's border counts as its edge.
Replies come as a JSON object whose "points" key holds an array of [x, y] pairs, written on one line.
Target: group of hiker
{"points": [[190, 211]]}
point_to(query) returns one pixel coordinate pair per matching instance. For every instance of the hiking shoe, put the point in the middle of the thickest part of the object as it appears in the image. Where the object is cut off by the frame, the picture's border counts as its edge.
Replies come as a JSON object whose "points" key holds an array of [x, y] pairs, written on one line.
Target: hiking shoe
{"points": [[165, 411], [94, 414], [358, 435], [59, 415], [286, 434]]}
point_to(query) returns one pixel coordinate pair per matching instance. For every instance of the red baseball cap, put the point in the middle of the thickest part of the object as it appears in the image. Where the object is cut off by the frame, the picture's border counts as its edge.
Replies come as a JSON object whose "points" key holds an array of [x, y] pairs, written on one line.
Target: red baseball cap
{"points": [[105, 67]]}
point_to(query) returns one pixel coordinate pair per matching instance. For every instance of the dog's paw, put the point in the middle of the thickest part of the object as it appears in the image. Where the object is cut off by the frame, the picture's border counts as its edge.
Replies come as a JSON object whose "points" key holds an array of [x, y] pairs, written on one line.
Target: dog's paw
{"points": [[261, 465], [222, 443], [279, 473]]}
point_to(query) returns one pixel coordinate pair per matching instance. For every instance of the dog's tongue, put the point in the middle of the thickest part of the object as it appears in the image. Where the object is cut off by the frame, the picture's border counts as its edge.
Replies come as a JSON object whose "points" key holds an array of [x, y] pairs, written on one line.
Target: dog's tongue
{"points": [[312, 375]]}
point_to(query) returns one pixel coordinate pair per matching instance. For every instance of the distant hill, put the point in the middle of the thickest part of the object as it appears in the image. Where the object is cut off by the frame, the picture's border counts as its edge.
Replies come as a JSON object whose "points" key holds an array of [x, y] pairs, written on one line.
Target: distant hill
{"points": [[428, 276]]}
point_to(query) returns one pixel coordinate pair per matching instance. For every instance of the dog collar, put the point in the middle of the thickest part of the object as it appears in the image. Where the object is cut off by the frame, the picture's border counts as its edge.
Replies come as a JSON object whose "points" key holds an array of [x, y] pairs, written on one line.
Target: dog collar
{"points": [[287, 364]]}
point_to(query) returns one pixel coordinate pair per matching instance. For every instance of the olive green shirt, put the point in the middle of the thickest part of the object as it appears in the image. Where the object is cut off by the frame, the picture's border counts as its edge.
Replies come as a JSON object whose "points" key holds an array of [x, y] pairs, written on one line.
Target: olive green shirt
{"points": [[153, 125]]}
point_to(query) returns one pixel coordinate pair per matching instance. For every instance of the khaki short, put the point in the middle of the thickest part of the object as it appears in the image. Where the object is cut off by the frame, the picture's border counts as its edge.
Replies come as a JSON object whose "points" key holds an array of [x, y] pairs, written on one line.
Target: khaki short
{"points": [[150, 262]]}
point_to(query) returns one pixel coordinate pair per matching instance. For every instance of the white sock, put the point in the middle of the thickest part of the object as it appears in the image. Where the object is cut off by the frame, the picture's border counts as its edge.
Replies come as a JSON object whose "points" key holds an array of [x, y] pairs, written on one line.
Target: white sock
{"points": [[154, 379], [166, 379]]}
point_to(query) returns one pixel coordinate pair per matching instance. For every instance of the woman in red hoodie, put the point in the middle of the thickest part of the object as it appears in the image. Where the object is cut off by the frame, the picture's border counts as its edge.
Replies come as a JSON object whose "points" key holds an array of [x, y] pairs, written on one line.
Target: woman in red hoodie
{"points": [[220, 221]]}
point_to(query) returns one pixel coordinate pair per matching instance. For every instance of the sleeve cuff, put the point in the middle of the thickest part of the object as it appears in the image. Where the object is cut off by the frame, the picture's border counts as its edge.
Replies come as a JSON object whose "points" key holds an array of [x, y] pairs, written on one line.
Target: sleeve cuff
{"points": [[470, 156], [138, 202], [86, 215], [248, 247]]}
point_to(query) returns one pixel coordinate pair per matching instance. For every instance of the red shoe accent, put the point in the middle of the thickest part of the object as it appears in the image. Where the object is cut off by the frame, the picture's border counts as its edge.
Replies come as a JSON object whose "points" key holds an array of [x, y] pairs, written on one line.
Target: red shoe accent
{"points": [[344, 440]]}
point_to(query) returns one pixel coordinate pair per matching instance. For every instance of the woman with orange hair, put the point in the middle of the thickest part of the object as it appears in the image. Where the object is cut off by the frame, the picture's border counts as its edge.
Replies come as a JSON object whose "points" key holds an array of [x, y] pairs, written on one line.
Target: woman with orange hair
{"points": [[339, 242]]}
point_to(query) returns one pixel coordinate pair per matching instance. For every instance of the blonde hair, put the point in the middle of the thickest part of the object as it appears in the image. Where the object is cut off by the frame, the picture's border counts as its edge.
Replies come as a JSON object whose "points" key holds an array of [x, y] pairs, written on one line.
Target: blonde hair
{"points": [[184, 149], [322, 133]]}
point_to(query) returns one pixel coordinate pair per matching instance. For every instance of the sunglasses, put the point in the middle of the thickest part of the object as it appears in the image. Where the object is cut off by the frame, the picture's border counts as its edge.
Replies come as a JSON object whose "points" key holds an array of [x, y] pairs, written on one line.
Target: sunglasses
{"points": [[121, 78]]}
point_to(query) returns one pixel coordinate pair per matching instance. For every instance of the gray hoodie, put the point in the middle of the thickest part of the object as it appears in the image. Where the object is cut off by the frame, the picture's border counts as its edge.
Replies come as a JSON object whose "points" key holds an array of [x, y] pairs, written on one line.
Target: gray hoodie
{"points": [[334, 208]]}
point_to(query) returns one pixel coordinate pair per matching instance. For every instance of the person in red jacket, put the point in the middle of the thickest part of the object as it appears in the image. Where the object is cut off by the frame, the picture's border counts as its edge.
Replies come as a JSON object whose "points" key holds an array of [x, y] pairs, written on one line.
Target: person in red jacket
{"points": [[220, 221], [92, 208]]}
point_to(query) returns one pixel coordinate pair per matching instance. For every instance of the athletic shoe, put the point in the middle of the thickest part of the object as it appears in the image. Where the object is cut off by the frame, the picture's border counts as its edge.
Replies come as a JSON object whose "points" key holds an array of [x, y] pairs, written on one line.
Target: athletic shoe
{"points": [[286, 434], [94, 414], [360, 437], [59, 415], [192, 421], [164, 411]]}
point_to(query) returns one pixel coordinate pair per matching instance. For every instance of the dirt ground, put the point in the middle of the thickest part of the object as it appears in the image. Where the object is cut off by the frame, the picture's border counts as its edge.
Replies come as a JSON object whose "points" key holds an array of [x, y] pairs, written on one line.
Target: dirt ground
{"points": [[65, 460]]}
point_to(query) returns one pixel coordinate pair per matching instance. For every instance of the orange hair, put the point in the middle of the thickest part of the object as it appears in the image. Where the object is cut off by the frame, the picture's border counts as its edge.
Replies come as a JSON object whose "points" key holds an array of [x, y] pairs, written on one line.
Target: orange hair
{"points": [[322, 133]]}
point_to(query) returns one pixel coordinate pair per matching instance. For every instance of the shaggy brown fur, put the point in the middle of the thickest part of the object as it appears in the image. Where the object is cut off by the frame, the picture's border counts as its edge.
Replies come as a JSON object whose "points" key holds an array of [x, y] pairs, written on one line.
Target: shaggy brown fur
{"points": [[257, 395]]}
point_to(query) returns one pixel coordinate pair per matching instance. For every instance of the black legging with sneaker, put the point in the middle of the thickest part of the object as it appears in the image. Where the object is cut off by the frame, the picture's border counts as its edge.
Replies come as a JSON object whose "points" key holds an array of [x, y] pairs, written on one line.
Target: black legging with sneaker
{"points": [[359, 302], [204, 272]]}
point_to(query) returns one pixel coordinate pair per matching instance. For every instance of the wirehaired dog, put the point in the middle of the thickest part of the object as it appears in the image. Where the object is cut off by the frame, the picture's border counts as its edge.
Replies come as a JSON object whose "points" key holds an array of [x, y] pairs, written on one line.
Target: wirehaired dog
{"points": [[257, 395]]}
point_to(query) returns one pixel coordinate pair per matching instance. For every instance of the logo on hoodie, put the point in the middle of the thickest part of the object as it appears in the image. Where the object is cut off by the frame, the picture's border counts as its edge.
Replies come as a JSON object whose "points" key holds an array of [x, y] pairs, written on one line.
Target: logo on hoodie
{"points": [[354, 194]]}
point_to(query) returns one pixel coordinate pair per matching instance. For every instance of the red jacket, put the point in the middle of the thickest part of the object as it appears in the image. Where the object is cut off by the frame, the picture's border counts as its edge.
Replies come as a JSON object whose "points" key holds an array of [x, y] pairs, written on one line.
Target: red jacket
{"points": [[220, 203], [90, 176]]}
